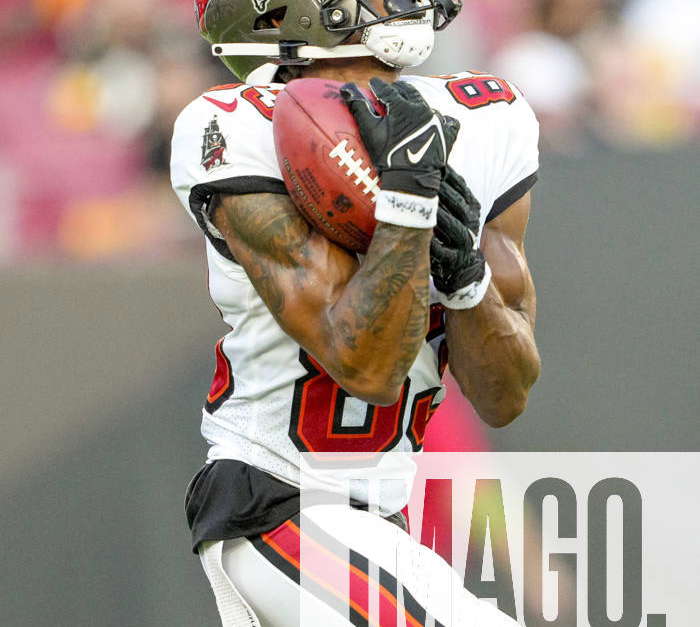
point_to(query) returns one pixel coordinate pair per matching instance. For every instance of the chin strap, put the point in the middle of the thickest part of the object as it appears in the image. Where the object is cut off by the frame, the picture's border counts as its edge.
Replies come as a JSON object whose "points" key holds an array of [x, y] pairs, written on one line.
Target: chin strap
{"points": [[400, 44], [290, 52]]}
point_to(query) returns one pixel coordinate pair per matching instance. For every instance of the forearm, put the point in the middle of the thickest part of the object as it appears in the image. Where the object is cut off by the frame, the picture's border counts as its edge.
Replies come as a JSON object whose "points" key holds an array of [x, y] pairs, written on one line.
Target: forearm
{"points": [[382, 314], [493, 357], [365, 323], [380, 318]]}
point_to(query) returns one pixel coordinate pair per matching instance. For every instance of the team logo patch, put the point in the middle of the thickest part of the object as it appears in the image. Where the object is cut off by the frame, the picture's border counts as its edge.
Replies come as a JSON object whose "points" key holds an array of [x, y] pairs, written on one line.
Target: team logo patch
{"points": [[261, 5], [213, 146]]}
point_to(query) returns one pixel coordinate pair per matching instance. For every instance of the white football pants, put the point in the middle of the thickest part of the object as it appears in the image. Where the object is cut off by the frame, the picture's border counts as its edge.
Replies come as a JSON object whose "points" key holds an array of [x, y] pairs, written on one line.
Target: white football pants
{"points": [[349, 568]]}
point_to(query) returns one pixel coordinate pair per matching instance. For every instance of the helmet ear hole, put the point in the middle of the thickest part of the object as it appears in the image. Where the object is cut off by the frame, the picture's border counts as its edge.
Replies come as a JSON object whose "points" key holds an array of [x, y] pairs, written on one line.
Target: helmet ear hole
{"points": [[271, 20]]}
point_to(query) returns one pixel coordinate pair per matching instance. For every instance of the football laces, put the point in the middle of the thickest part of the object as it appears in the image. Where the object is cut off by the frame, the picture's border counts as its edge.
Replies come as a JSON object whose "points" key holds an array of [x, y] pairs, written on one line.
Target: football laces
{"points": [[354, 167]]}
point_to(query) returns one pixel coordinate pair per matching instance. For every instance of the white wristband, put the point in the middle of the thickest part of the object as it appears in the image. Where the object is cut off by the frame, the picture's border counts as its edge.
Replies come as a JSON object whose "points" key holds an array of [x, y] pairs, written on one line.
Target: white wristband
{"points": [[469, 296], [402, 209]]}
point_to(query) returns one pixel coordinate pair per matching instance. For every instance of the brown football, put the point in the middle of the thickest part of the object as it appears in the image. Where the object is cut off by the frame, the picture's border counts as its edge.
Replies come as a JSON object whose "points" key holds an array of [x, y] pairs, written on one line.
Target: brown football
{"points": [[326, 168]]}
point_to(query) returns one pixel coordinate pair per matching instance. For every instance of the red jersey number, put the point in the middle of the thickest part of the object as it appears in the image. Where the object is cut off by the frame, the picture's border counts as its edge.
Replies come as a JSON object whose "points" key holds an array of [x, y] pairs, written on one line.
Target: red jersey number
{"points": [[317, 414], [222, 383], [475, 92], [262, 98], [316, 423]]}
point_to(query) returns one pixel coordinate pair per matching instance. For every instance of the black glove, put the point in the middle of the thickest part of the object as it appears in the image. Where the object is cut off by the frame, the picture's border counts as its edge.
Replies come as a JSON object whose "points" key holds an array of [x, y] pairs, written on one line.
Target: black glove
{"points": [[410, 144], [455, 260]]}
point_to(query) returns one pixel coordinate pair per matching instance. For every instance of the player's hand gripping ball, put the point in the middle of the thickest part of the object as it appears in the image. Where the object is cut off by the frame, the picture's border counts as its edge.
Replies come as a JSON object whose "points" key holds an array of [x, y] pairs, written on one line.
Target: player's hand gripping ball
{"points": [[409, 145], [326, 168], [455, 258], [338, 144]]}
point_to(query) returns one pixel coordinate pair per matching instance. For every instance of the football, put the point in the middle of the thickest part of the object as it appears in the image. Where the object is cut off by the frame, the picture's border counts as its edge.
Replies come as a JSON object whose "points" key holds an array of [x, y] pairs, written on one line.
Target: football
{"points": [[326, 168]]}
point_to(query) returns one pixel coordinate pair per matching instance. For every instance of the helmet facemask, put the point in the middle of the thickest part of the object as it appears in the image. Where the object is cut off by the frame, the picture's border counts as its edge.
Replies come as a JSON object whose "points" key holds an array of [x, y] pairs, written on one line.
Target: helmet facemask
{"points": [[442, 11], [405, 37], [319, 29]]}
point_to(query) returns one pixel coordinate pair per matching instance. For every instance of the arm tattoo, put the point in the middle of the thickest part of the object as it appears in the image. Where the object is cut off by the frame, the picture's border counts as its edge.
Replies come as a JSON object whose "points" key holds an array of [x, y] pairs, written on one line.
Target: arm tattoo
{"points": [[396, 261], [347, 334], [379, 315], [416, 329], [271, 232]]}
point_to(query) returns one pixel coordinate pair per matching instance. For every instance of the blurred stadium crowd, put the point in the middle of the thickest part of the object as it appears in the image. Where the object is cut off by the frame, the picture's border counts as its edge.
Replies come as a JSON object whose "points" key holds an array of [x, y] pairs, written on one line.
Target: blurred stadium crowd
{"points": [[90, 89]]}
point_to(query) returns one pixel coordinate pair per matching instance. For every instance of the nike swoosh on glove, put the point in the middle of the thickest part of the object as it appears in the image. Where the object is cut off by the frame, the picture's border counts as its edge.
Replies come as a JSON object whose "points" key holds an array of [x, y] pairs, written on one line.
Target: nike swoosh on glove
{"points": [[410, 144]]}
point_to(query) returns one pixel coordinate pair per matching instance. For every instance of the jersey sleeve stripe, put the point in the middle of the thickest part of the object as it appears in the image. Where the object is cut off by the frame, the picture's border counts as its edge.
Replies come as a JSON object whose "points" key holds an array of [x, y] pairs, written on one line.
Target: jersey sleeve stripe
{"points": [[201, 194], [514, 194]]}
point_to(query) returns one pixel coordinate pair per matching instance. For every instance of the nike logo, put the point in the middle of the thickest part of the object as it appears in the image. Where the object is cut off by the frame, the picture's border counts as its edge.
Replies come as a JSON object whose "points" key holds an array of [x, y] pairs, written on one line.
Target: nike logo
{"points": [[229, 108], [415, 157]]}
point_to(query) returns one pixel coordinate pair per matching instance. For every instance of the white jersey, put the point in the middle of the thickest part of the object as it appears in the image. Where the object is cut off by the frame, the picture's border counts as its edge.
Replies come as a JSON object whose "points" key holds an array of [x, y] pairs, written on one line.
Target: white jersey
{"points": [[269, 399]]}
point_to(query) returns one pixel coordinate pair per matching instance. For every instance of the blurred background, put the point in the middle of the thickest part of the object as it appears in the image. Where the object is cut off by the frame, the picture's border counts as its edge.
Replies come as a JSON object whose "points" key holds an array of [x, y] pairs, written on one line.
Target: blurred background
{"points": [[107, 332]]}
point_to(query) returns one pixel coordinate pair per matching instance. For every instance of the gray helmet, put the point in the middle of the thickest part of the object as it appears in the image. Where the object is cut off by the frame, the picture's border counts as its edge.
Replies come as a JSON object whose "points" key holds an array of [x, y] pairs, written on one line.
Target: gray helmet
{"points": [[318, 23]]}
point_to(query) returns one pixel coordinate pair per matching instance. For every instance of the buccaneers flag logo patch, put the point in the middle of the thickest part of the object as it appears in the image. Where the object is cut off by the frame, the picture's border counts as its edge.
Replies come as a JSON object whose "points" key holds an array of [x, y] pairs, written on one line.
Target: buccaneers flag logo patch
{"points": [[213, 146]]}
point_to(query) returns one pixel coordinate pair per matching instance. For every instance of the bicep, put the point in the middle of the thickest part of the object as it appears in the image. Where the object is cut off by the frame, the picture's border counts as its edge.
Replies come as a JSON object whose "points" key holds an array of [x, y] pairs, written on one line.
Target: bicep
{"points": [[503, 244], [297, 272]]}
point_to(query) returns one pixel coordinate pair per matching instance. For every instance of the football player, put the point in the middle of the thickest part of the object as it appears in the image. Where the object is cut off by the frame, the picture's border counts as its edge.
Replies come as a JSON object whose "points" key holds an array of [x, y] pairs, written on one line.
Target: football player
{"points": [[332, 352]]}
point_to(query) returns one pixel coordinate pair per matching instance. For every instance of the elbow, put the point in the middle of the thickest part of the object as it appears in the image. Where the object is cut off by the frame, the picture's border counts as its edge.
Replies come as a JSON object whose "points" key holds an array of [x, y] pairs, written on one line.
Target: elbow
{"points": [[505, 402], [372, 391], [370, 382], [513, 402], [504, 412], [500, 394], [370, 386]]}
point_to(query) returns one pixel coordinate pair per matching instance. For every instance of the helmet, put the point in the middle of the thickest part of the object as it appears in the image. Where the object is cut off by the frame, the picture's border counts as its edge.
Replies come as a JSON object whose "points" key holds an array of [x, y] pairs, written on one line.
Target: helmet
{"points": [[247, 34]]}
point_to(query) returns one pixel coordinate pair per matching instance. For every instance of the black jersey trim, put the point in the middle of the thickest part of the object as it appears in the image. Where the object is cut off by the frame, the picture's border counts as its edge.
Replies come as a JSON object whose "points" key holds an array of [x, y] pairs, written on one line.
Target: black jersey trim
{"points": [[514, 194], [230, 499], [201, 194]]}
